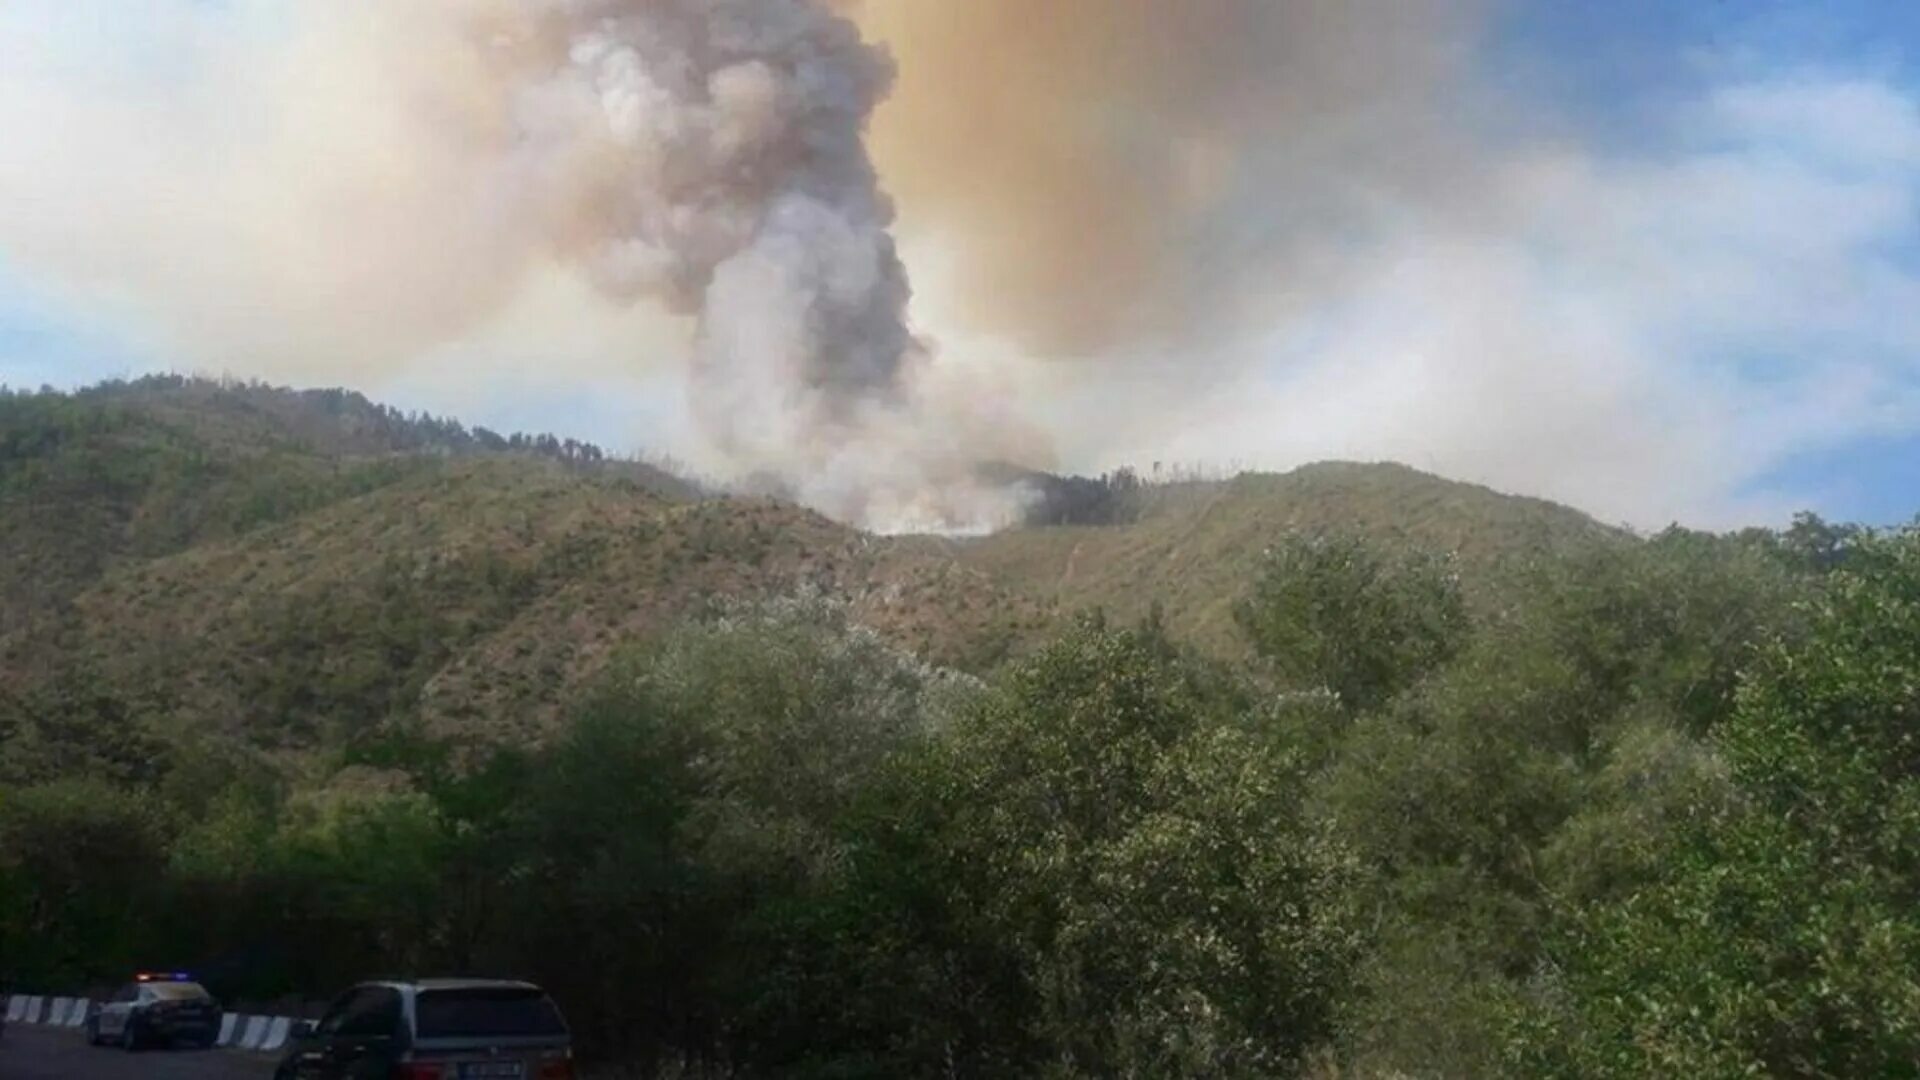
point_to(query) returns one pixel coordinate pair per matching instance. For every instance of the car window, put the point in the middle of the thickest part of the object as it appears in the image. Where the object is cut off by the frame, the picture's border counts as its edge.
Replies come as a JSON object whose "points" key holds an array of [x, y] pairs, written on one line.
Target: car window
{"points": [[129, 992], [330, 1020], [486, 1011], [374, 1010]]}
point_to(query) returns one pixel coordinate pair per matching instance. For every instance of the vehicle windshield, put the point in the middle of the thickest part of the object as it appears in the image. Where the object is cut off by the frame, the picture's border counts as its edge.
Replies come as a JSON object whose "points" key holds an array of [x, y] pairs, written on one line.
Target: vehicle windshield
{"points": [[178, 991], [486, 1011]]}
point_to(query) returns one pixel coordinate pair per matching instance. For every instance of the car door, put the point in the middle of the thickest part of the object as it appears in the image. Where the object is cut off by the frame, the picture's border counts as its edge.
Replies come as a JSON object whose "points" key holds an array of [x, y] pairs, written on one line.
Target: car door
{"points": [[114, 1014], [359, 1037], [308, 1059], [369, 1039]]}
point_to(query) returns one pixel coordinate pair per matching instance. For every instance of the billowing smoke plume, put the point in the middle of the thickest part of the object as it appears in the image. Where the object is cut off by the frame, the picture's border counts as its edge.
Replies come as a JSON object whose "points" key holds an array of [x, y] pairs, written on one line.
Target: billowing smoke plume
{"points": [[710, 153], [427, 156]]}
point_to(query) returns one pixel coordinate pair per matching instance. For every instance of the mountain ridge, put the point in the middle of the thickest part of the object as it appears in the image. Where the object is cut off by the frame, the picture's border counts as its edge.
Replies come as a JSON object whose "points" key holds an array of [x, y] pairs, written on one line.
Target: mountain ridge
{"points": [[297, 569]]}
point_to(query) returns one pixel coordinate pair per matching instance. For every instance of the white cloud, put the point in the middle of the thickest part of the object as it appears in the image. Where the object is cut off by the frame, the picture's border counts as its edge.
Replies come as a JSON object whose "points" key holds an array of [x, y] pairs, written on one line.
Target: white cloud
{"points": [[262, 186], [1851, 123], [1646, 339]]}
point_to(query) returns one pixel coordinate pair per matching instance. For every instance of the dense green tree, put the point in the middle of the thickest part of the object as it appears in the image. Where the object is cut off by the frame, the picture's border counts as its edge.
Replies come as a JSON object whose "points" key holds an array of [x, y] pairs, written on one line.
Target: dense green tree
{"points": [[1781, 939], [1123, 867], [82, 862], [1341, 612], [1666, 625], [693, 806], [1551, 762]]}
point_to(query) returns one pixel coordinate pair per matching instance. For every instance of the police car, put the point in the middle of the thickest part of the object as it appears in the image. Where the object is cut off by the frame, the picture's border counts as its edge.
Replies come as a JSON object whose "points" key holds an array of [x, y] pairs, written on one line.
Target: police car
{"points": [[157, 1007]]}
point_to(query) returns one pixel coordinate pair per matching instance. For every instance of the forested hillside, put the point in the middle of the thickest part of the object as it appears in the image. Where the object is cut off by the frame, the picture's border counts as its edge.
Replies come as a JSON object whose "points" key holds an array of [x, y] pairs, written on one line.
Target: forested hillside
{"points": [[1191, 546], [1352, 771], [297, 571]]}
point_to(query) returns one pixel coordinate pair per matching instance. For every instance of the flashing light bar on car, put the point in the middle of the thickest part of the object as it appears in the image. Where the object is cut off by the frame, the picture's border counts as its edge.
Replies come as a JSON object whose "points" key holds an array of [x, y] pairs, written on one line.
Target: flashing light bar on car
{"points": [[163, 976]]}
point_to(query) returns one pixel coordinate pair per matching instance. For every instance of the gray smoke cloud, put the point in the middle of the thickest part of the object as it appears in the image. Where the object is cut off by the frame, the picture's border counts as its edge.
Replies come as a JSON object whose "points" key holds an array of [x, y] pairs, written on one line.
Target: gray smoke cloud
{"points": [[710, 153], [1248, 231], [334, 186], [368, 179]]}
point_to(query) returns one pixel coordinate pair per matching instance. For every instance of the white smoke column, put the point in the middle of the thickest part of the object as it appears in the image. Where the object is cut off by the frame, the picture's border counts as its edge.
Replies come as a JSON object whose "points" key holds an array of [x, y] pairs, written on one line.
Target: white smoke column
{"points": [[710, 153]]}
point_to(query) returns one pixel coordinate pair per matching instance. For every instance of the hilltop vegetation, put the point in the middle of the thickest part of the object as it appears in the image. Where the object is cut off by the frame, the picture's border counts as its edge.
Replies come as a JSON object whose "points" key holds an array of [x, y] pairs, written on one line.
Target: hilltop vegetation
{"points": [[132, 471], [189, 559], [1191, 546], [300, 569], [1347, 772]]}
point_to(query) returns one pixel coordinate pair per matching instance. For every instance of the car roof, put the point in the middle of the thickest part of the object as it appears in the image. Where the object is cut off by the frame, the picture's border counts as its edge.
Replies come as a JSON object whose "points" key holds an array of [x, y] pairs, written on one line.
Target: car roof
{"points": [[136, 980], [456, 984], [175, 988]]}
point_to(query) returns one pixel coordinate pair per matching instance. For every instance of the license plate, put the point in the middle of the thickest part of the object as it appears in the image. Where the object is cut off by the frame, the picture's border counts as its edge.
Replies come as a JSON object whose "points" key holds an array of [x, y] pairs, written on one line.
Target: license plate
{"points": [[493, 1070]]}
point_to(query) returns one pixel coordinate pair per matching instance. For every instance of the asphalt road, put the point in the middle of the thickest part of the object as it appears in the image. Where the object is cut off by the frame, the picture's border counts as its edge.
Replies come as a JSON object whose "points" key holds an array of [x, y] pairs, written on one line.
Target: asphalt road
{"points": [[39, 1053]]}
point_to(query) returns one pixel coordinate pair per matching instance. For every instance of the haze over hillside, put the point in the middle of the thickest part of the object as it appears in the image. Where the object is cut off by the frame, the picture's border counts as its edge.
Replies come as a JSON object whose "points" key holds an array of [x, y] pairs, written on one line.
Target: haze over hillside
{"points": [[300, 567]]}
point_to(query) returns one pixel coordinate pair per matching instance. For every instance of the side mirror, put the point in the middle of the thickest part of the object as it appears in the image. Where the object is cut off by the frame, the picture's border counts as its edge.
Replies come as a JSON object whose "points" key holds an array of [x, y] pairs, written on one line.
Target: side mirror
{"points": [[304, 1029]]}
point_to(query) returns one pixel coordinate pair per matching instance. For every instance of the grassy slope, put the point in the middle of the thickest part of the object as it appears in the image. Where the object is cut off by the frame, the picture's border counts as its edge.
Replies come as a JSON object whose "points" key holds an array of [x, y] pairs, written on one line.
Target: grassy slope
{"points": [[467, 589], [132, 471], [297, 569], [1195, 546], [85, 487]]}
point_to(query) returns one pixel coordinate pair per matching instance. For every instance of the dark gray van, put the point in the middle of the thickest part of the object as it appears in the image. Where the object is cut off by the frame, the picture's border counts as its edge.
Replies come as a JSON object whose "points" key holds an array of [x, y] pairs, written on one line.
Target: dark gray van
{"points": [[434, 1029]]}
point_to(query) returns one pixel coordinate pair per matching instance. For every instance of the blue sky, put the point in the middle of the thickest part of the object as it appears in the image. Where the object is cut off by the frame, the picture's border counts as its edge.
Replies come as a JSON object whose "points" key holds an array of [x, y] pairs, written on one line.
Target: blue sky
{"points": [[1699, 300], [44, 342], [1620, 66]]}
